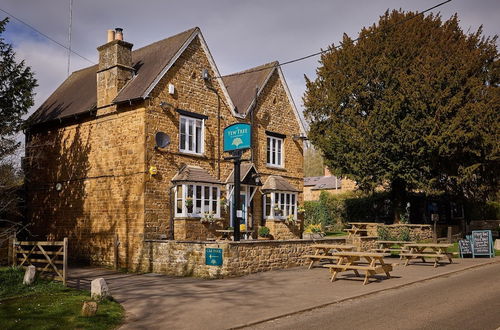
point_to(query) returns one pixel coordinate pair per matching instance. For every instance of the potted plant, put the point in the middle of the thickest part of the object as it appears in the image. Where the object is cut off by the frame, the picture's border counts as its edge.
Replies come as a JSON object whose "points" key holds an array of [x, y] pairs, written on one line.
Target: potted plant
{"points": [[313, 231], [189, 204], [264, 233], [277, 211], [290, 219], [223, 203]]}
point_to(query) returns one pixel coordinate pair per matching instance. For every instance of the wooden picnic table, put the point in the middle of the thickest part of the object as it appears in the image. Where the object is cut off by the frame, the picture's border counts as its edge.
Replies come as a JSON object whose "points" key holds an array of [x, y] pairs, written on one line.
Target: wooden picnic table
{"points": [[386, 246], [434, 251], [323, 252], [370, 262], [359, 228]]}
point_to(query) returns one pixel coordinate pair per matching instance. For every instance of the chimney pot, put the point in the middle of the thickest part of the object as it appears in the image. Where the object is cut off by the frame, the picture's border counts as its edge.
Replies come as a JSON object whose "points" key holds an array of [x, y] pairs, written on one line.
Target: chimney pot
{"points": [[118, 33], [111, 35]]}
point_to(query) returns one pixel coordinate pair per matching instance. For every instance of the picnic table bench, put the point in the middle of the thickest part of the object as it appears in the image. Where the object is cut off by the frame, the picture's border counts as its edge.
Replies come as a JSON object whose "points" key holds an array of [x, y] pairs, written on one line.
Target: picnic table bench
{"points": [[436, 251], [323, 252], [387, 246], [359, 228], [370, 262]]}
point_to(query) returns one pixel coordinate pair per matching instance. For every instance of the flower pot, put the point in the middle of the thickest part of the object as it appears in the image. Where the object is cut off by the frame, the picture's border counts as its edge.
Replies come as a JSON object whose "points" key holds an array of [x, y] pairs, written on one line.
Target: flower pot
{"points": [[268, 238], [312, 235]]}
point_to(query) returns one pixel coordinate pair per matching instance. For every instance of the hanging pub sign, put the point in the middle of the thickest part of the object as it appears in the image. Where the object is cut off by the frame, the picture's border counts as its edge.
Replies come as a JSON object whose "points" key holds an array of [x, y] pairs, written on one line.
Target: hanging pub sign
{"points": [[237, 137]]}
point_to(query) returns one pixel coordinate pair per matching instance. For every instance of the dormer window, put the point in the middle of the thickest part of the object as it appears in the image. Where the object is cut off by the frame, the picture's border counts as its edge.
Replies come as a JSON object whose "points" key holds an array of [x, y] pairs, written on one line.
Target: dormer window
{"points": [[191, 135]]}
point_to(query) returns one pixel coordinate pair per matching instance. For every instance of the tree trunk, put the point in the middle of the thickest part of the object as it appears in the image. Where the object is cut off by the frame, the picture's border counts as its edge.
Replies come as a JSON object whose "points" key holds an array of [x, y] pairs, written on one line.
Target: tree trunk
{"points": [[398, 197]]}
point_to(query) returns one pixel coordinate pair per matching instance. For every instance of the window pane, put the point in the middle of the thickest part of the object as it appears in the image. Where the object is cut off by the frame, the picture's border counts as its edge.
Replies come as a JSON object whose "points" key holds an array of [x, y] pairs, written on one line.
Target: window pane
{"points": [[190, 135], [273, 151], [206, 199], [198, 136], [214, 193], [268, 150], [268, 205], [183, 134], [190, 190], [179, 206], [278, 152], [198, 199]]}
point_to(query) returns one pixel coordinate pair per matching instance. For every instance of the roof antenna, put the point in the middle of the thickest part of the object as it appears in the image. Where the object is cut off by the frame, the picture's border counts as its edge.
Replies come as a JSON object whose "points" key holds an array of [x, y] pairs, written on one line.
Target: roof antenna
{"points": [[69, 32]]}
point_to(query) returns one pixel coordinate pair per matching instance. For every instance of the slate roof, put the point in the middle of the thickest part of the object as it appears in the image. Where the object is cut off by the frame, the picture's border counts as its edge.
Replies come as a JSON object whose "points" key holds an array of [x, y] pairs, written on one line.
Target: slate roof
{"points": [[241, 87], [78, 94], [323, 182], [192, 173], [277, 183]]}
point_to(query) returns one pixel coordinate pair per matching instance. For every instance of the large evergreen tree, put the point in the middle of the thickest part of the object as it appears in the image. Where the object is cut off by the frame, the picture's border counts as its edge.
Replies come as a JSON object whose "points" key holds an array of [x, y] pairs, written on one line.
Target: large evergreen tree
{"points": [[16, 95], [414, 104]]}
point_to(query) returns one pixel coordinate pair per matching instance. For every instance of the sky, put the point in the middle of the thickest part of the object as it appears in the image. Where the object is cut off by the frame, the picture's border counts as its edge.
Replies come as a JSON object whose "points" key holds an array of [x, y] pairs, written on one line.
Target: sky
{"points": [[240, 34]]}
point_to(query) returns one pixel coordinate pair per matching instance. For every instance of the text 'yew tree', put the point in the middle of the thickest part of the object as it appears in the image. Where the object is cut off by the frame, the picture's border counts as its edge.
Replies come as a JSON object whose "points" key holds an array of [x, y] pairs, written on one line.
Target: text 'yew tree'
{"points": [[413, 104]]}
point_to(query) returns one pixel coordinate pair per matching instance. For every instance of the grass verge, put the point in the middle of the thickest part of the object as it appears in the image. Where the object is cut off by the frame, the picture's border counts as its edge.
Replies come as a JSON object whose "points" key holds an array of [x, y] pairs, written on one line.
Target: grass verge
{"points": [[50, 305]]}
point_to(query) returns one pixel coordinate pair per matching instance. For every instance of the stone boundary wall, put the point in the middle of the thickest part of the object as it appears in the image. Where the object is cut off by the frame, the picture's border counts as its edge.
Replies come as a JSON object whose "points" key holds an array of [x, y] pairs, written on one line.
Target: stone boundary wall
{"points": [[417, 232], [181, 258]]}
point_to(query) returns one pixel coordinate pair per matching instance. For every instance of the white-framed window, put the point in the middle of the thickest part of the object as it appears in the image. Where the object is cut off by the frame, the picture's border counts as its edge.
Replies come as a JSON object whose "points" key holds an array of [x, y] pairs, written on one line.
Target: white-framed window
{"points": [[191, 135], [275, 155], [279, 204], [194, 200]]}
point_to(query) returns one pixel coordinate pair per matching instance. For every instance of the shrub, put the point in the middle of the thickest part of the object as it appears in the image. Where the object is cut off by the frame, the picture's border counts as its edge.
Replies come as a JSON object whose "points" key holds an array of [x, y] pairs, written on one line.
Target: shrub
{"points": [[384, 234], [264, 231], [313, 228], [404, 234]]}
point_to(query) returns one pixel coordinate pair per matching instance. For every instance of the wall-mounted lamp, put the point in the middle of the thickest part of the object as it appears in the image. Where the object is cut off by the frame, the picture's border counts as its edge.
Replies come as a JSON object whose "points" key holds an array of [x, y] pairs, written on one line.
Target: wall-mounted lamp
{"points": [[205, 75], [166, 105], [58, 186], [153, 170]]}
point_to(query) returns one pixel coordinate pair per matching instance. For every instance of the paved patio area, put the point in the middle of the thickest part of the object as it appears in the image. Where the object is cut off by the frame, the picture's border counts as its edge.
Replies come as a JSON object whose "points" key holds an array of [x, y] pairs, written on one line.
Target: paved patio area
{"points": [[157, 301]]}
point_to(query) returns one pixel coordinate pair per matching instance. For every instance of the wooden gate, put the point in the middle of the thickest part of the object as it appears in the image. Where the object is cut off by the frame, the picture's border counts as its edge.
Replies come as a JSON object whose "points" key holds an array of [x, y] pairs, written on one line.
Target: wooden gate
{"points": [[49, 257]]}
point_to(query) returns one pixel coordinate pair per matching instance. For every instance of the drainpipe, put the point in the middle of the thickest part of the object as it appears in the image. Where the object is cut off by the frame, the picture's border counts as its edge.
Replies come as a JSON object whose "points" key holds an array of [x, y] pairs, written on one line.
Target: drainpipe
{"points": [[252, 119], [172, 205], [218, 129]]}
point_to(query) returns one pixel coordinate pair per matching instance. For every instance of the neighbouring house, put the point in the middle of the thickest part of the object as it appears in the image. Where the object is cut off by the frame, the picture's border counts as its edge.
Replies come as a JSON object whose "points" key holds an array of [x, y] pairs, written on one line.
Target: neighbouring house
{"points": [[130, 148], [314, 185]]}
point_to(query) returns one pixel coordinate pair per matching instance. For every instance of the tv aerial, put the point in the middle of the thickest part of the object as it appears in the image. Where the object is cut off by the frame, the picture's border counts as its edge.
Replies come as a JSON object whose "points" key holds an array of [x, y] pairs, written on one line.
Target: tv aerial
{"points": [[162, 140]]}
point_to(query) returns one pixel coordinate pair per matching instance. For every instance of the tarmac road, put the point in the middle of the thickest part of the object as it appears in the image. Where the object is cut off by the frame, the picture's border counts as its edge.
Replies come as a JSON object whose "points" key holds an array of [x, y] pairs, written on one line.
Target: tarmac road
{"points": [[465, 300]]}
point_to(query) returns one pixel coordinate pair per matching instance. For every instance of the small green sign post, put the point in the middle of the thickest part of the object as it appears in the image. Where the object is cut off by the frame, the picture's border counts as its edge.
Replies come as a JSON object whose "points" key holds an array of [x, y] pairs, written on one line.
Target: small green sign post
{"points": [[237, 138], [213, 257]]}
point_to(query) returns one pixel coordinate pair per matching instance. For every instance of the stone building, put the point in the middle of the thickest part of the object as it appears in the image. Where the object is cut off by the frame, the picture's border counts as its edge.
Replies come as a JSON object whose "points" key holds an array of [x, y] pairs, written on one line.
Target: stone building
{"points": [[94, 169], [98, 163], [314, 185]]}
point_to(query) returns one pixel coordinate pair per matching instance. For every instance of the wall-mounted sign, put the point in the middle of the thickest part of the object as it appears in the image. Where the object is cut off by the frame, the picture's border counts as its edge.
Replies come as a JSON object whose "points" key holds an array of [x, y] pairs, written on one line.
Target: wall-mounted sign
{"points": [[213, 257], [237, 137]]}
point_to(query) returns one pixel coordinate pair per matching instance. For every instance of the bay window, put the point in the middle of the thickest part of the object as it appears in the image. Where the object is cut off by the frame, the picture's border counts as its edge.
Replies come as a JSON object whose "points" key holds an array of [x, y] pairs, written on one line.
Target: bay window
{"points": [[194, 200], [279, 205]]}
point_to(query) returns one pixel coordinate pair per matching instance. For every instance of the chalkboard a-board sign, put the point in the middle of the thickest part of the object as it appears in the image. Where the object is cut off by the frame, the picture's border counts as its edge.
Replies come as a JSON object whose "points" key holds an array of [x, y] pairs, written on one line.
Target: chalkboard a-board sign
{"points": [[465, 246], [482, 243]]}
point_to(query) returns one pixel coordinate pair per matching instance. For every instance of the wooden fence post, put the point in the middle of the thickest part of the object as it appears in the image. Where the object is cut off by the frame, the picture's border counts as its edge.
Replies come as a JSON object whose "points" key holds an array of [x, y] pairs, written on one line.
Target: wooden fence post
{"points": [[14, 251], [65, 260], [449, 234]]}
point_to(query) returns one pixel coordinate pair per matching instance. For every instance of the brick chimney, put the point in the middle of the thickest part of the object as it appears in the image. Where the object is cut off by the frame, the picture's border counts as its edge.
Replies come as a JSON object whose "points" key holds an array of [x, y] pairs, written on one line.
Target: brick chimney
{"points": [[115, 69], [327, 172]]}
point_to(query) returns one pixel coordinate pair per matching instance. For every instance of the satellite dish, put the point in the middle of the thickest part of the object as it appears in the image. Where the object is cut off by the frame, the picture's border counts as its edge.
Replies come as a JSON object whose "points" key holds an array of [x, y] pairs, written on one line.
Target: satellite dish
{"points": [[162, 140]]}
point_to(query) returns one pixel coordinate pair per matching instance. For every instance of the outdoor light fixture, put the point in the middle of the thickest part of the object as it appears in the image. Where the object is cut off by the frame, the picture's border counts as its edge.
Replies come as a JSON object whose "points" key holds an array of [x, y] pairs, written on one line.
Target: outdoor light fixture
{"points": [[58, 186], [165, 105], [205, 75], [153, 170]]}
